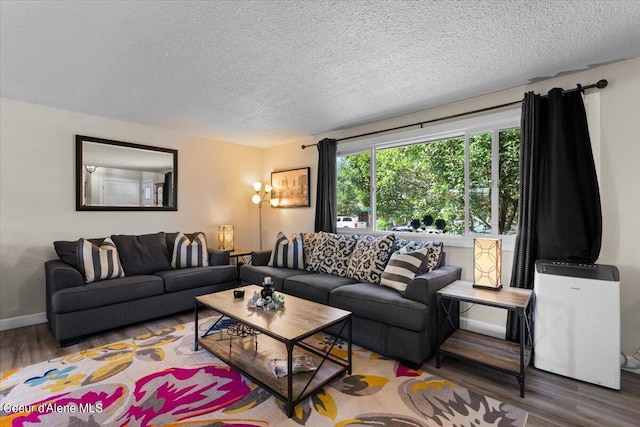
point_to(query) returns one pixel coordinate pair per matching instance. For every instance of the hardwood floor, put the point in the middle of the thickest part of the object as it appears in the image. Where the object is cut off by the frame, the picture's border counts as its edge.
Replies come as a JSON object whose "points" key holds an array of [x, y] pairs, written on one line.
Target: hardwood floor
{"points": [[551, 400]]}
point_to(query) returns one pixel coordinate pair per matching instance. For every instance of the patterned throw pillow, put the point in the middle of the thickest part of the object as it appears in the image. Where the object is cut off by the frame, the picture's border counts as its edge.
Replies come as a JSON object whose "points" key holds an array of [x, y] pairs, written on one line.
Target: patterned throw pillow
{"points": [[311, 240], [190, 253], [402, 268], [434, 257], [331, 255], [288, 252], [369, 258], [99, 263]]}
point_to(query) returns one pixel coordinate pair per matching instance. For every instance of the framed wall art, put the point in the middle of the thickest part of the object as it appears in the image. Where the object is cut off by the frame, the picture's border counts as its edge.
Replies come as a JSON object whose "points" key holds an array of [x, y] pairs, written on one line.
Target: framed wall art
{"points": [[291, 188]]}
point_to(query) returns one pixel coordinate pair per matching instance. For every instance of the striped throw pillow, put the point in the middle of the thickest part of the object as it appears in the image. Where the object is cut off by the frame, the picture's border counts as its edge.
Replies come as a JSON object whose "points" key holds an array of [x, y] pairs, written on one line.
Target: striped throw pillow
{"points": [[402, 268], [99, 263], [190, 253], [288, 253]]}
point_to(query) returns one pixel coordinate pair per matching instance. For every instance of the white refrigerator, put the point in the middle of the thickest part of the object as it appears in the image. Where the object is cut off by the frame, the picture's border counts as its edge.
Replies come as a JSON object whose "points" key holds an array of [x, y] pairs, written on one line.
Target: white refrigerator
{"points": [[577, 321]]}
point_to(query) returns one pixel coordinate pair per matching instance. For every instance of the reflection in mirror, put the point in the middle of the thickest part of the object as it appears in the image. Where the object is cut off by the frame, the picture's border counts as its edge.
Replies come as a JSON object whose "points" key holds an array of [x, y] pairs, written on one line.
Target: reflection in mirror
{"points": [[115, 175]]}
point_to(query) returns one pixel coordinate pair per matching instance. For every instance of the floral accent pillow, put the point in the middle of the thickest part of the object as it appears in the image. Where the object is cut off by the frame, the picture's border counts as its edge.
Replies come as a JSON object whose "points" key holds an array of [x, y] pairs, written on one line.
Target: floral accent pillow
{"points": [[310, 240], [369, 258], [331, 255]]}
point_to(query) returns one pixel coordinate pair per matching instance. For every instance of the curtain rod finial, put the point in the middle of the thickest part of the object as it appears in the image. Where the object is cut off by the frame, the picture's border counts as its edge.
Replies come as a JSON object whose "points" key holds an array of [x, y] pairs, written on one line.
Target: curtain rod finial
{"points": [[602, 84]]}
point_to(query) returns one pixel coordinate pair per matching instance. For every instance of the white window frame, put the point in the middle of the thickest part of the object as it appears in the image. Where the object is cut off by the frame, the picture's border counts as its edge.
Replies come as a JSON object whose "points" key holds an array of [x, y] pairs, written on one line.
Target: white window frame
{"points": [[489, 123]]}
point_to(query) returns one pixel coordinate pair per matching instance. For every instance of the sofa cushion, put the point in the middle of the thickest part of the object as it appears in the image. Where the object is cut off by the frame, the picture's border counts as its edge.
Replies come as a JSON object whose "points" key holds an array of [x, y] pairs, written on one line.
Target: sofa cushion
{"points": [[288, 253], [68, 250], [105, 293], [331, 255], [188, 252], [381, 304], [402, 268], [99, 262], [144, 254], [195, 277], [253, 274], [369, 258], [315, 287]]}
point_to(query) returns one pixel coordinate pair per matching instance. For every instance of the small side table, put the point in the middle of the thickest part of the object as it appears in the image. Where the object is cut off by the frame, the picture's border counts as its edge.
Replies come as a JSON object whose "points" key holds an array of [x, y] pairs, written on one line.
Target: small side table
{"points": [[240, 255], [505, 356]]}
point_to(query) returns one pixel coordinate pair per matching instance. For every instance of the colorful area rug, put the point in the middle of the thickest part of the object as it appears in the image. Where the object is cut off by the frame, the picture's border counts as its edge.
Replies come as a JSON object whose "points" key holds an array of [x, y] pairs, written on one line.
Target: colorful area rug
{"points": [[159, 380]]}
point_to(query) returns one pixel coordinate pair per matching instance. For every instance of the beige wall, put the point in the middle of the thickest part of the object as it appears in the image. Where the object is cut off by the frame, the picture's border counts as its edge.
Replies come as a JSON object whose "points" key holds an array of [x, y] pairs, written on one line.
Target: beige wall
{"points": [[617, 150], [37, 204], [37, 197]]}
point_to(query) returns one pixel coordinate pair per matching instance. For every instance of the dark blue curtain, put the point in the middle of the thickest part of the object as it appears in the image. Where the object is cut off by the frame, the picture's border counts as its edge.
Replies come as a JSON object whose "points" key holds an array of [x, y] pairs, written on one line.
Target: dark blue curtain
{"points": [[559, 210], [326, 195]]}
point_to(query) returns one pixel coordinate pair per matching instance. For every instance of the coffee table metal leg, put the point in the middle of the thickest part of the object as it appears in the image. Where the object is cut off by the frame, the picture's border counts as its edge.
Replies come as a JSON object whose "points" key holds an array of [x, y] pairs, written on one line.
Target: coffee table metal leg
{"points": [[289, 379], [350, 345], [195, 346]]}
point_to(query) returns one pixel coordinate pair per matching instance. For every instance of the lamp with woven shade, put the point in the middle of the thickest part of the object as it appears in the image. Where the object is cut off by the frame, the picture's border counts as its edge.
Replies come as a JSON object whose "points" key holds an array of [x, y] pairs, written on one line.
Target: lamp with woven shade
{"points": [[487, 264], [225, 237]]}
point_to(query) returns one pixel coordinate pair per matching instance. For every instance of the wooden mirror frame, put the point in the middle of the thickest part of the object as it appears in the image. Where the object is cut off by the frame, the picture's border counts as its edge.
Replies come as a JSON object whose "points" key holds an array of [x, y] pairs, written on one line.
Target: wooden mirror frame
{"points": [[80, 187]]}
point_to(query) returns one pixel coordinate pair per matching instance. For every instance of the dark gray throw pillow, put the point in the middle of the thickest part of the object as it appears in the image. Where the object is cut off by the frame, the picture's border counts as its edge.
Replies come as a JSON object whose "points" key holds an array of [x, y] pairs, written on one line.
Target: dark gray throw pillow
{"points": [[68, 251], [144, 254]]}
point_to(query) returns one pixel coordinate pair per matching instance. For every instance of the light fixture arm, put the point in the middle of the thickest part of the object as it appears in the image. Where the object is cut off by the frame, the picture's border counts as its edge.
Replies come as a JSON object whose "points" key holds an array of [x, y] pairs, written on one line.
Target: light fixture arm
{"points": [[260, 199]]}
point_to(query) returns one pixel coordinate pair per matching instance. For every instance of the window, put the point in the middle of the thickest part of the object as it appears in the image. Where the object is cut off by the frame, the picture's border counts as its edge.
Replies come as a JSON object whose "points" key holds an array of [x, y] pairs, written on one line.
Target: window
{"points": [[453, 179]]}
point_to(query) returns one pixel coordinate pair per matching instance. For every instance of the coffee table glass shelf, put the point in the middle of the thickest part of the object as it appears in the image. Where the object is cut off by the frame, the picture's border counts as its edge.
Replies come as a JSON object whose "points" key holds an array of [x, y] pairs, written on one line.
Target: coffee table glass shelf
{"points": [[512, 358], [284, 333]]}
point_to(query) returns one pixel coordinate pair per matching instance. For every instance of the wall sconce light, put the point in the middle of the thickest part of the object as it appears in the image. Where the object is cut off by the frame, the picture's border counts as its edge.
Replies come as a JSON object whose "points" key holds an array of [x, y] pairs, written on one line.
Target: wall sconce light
{"points": [[225, 237], [487, 263], [90, 169], [259, 198]]}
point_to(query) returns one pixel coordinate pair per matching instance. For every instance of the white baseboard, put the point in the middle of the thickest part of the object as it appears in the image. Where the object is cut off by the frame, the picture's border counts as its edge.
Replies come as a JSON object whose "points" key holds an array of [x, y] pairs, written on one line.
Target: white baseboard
{"points": [[484, 328], [20, 321]]}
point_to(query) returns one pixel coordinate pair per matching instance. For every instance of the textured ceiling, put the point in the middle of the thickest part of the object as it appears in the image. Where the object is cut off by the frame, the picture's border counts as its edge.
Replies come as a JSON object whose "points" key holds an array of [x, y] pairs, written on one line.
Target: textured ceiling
{"points": [[269, 72]]}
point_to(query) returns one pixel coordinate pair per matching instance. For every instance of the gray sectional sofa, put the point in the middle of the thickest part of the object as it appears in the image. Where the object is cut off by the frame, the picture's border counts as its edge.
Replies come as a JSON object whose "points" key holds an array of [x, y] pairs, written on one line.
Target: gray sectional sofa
{"points": [[150, 287], [401, 325]]}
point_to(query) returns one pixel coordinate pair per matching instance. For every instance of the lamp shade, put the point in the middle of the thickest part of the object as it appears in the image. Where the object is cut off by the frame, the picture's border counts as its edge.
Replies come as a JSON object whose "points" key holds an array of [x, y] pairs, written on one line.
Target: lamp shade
{"points": [[487, 263], [225, 237]]}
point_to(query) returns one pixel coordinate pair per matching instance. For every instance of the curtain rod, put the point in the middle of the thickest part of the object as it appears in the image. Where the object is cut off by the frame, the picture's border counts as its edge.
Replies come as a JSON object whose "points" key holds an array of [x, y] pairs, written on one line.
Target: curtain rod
{"points": [[600, 85]]}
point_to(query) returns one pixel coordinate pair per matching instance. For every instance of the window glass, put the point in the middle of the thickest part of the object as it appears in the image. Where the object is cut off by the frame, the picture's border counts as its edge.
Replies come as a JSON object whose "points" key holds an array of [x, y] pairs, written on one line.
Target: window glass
{"points": [[458, 178], [509, 181], [420, 187], [480, 183], [354, 195]]}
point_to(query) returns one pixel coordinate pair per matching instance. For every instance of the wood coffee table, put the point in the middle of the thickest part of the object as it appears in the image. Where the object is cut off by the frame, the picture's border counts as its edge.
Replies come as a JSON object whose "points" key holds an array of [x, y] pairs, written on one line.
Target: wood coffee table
{"points": [[264, 335]]}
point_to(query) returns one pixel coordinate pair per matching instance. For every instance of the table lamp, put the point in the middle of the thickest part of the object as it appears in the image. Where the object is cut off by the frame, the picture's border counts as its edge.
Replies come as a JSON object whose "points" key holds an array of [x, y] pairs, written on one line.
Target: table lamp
{"points": [[487, 263]]}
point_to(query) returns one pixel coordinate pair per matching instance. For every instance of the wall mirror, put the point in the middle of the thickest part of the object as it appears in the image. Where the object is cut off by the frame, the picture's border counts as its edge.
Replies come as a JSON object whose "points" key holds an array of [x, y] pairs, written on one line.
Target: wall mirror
{"points": [[121, 176]]}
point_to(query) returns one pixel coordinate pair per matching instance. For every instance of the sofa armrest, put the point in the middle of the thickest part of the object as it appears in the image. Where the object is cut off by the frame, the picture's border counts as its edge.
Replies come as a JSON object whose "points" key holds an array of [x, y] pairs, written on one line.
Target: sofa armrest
{"points": [[261, 257], [424, 287], [218, 257], [59, 275]]}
